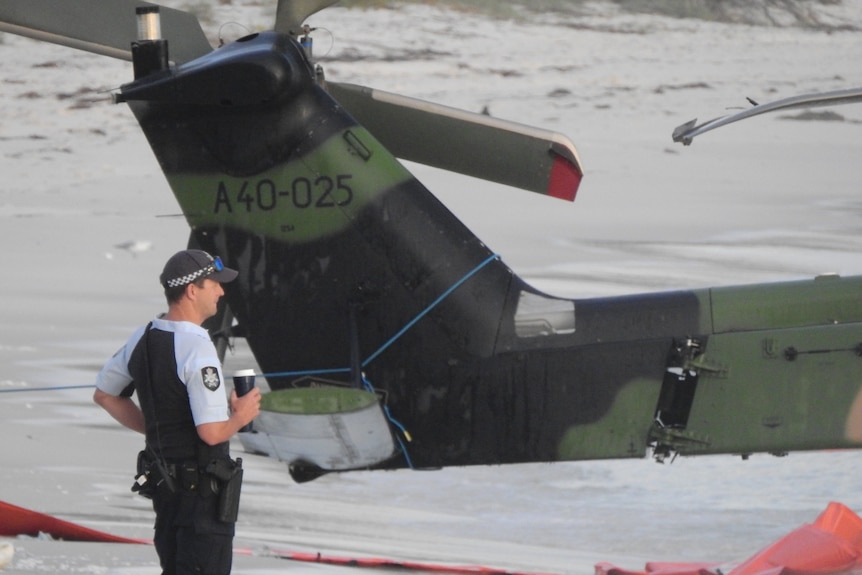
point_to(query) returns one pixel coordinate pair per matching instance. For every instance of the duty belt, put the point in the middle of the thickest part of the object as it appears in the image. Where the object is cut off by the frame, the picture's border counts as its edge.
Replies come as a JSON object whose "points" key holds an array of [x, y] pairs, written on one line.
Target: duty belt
{"points": [[187, 473]]}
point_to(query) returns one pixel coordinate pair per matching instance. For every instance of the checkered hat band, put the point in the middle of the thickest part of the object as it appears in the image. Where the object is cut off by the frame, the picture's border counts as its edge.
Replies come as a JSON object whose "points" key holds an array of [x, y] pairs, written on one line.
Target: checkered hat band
{"points": [[189, 278]]}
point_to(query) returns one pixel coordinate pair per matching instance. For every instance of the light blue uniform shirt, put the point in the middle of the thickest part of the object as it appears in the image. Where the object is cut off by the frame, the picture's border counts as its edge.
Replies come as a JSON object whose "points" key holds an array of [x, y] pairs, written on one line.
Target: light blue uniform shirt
{"points": [[198, 367]]}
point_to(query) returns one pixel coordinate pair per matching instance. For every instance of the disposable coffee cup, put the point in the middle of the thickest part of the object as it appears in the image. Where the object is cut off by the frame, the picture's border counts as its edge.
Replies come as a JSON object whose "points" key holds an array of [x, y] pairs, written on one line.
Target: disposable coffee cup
{"points": [[243, 382]]}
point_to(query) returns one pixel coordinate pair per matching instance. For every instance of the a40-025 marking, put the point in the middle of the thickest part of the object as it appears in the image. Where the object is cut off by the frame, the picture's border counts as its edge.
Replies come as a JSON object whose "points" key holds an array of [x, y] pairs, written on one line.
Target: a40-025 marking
{"points": [[303, 193]]}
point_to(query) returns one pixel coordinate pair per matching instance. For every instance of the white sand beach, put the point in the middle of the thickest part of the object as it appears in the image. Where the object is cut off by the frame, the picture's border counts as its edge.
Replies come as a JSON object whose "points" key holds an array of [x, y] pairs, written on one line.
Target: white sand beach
{"points": [[87, 221]]}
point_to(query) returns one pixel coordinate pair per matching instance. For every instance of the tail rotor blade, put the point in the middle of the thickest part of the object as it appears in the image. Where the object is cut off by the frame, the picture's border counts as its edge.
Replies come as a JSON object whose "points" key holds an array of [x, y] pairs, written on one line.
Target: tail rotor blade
{"points": [[473, 144], [106, 27]]}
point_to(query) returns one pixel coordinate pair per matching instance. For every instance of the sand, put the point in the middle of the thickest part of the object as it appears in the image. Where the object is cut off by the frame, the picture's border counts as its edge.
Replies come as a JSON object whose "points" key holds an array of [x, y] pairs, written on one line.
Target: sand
{"points": [[88, 220]]}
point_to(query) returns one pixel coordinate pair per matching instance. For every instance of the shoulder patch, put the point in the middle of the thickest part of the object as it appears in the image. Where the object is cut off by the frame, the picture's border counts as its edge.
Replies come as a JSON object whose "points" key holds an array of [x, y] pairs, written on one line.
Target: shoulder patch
{"points": [[211, 379]]}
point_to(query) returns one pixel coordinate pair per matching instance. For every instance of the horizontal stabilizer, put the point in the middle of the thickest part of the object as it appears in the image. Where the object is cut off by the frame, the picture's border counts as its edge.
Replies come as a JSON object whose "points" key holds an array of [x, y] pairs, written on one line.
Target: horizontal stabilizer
{"points": [[473, 144], [687, 132], [106, 27]]}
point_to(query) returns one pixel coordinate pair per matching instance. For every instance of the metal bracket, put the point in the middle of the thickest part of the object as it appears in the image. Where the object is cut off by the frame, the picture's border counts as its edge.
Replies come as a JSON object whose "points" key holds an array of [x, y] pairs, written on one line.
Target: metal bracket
{"points": [[702, 365], [685, 364], [670, 442]]}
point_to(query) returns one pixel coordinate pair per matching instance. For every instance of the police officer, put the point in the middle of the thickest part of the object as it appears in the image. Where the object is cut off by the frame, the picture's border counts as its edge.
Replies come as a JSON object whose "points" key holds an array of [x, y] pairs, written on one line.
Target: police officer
{"points": [[185, 416]]}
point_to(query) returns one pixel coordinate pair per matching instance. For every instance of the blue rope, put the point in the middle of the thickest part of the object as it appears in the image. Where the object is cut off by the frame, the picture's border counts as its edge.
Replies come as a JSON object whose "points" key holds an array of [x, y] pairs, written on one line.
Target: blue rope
{"points": [[58, 388], [401, 332], [394, 422], [307, 372], [371, 358], [383, 348], [424, 312]]}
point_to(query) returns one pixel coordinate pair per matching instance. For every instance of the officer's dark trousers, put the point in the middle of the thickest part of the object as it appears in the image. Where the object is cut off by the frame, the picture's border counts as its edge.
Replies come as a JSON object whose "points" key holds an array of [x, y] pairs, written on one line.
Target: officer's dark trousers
{"points": [[189, 538]]}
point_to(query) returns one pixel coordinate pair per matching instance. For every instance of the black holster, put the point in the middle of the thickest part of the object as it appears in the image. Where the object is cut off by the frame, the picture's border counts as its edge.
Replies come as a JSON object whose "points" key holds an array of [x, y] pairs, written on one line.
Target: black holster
{"points": [[228, 474]]}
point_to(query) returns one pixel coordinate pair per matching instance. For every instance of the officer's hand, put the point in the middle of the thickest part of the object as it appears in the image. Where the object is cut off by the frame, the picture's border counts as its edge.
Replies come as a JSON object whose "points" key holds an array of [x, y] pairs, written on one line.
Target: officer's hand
{"points": [[246, 407]]}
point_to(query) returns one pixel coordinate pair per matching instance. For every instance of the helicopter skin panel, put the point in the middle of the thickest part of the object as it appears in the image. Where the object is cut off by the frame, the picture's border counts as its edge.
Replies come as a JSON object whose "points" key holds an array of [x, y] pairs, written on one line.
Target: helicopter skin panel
{"points": [[800, 341], [818, 302], [777, 372], [106, 27], [785, 411]]}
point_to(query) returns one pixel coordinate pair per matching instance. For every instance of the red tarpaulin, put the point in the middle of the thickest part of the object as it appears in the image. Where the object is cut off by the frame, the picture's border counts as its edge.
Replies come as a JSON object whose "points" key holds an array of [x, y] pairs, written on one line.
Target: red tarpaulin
{"points": [[832, 544], [16, 521]]}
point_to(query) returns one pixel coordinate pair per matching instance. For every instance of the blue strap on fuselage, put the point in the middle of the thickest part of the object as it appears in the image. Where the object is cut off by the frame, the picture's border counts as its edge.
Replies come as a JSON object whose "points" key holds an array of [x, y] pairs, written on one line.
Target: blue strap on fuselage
{"points": [[383, 348], [395, 337]]}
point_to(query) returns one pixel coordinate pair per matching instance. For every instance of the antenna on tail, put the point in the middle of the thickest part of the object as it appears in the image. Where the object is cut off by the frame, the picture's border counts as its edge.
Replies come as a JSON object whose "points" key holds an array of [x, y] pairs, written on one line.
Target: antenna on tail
{"points": [[150, 51]]}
